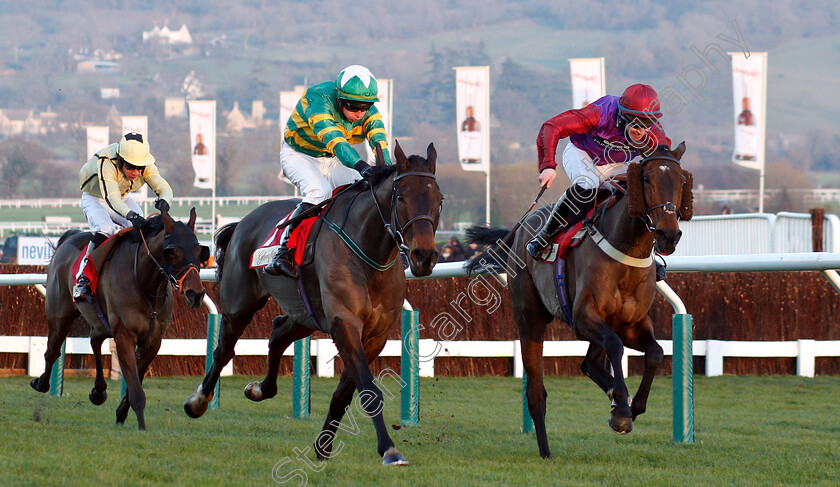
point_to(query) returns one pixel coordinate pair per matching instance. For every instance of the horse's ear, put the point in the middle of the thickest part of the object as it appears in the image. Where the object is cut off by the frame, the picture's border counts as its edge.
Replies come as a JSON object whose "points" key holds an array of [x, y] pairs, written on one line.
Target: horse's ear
{"points": [[191, 223], [399, 155], [686, 210], [380, 157], [679, 151], [635, 191], [167, 222], [431, 157]]}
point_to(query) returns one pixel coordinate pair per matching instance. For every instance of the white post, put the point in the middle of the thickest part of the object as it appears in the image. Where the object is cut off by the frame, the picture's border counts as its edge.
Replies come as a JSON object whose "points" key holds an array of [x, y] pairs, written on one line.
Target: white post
{"points": [[805, 359], [714, 358]]}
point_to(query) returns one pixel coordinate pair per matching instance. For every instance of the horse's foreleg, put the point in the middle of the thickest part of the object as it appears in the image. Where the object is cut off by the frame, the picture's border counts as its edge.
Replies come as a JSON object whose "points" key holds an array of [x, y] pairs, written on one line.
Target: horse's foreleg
{"points": [[532, 359], [232, 327], [59, 328], [594, 366], [346, 332], [144, 355], [284, 332], [644, 341], [596, 331], [126, 343], [98, 394], [340, 403]]}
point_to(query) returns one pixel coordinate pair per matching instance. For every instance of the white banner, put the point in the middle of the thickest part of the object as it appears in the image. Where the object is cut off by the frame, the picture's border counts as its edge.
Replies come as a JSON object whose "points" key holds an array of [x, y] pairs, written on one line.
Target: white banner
{"points": [[288, 102], [97, 138], [203, 142], [749, 90], [384, 106], [587, 80], [34, 250], [139, 124], [472, 94]]}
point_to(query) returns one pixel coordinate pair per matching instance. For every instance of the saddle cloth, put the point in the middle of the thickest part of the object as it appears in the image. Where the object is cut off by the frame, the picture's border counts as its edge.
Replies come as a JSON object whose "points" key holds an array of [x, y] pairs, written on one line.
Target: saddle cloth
{"points": [[297, 240], [97, 258]]}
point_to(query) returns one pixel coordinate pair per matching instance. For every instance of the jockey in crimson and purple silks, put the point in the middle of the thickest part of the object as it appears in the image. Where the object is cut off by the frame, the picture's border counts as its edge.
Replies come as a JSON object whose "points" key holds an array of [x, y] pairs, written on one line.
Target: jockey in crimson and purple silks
{"points": [[604, 136]]}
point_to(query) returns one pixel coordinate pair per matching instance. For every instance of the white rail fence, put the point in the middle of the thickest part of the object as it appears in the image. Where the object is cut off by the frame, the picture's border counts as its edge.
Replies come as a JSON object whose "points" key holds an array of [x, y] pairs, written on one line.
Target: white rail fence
{"points": [[324, 351], [805, 351]]}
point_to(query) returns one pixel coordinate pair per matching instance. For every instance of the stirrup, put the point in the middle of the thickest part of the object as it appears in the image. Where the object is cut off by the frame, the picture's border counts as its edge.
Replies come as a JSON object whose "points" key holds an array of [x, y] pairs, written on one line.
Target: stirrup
{"points": [[282, 264], [82, 291]]}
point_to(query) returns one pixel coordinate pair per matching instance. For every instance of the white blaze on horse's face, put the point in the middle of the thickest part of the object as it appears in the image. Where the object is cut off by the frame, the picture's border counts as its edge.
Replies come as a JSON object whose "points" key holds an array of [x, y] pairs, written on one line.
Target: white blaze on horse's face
{"points": [[664, 168]]}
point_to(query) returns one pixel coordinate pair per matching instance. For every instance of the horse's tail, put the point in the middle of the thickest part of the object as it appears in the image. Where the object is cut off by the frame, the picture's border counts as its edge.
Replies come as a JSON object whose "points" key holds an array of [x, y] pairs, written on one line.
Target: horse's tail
{"points": [[64, 236], [495, 256], [223, 236]]}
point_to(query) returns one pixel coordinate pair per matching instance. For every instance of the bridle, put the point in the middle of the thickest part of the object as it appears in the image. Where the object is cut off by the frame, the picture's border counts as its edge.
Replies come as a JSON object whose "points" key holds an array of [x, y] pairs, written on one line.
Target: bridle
{"points": [[184, 267], [668, 207], [397, 234]]}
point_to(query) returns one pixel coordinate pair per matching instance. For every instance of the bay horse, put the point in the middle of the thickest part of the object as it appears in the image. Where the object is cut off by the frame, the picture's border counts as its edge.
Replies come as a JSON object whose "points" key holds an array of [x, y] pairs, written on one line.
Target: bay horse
{"points": [[356, 298], [134, 294], [610, 299]]}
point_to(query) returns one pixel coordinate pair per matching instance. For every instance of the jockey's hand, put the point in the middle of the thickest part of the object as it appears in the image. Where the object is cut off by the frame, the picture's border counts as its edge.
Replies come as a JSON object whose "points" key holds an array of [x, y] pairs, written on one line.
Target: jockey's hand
{"points": [[365, 169], [547, 177], [162, 205], [136, 220]]}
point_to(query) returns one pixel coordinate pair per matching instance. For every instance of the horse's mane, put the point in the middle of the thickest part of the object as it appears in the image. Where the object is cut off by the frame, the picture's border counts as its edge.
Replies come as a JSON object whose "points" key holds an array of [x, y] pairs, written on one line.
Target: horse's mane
{"points": [[222, 238], [153, 226], [65, 236]]}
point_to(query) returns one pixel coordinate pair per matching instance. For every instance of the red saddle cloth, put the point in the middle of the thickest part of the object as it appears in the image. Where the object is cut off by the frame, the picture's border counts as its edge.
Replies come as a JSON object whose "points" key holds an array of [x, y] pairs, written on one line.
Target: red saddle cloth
{"points": [[90, 270], [566, 239]]}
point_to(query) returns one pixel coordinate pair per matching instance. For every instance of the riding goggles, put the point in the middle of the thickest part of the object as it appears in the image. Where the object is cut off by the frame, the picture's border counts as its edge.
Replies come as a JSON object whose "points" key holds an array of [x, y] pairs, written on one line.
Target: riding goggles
{"points": [[354, 106]]}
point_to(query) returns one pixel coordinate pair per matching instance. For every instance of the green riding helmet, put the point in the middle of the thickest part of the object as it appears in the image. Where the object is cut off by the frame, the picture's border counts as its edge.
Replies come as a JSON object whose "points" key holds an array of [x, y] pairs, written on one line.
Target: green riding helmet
{"points": [[356, 83]]}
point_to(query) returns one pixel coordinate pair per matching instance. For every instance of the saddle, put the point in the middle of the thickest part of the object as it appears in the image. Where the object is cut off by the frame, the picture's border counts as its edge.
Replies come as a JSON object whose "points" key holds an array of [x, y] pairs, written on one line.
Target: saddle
{"points": [[608, 195], [98, 257]]}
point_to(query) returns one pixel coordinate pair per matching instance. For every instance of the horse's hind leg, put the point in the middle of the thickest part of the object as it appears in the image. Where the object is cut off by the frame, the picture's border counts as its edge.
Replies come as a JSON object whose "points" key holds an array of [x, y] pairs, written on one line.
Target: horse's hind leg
{"points": [[340, 403], [59, 328], [346, 332], [98, 394], [642, 339], [232, 327], [284, 332]]}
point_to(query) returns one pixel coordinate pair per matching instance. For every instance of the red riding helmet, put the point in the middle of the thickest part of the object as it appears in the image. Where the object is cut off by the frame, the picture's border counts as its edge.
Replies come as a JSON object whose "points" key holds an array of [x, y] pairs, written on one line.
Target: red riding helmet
{"points": [[640, 102]]}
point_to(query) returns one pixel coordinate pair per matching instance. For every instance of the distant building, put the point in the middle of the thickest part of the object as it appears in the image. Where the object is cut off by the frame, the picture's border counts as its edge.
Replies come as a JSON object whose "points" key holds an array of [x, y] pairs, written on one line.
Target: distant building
{"points": [[23, 121], [96, 66], [108, 93], [238, 121], [166, 36], [174, 106]]}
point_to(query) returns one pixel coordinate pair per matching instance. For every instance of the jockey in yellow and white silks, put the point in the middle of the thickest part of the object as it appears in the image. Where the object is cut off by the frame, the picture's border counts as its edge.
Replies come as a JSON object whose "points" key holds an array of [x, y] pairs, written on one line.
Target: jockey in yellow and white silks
{"points": [[106, 181]]}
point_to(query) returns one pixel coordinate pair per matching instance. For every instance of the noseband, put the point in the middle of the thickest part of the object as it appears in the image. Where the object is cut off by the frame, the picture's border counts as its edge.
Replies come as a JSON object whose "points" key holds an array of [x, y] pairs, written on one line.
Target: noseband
{"points": [[667, 208], [397, 235]]}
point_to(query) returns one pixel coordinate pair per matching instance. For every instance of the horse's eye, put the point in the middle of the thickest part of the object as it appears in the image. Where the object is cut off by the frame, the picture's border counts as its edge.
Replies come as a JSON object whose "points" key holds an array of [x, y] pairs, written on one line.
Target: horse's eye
{"points": [[400, 198], [645, 178]]}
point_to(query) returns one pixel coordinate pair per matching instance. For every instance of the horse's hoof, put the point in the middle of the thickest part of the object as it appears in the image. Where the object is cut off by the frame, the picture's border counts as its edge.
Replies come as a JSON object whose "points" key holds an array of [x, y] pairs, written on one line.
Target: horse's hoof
{"points": [[621, 426], [36, 384], [393, 457], [253, 392], [195, 407], [97, 397]]}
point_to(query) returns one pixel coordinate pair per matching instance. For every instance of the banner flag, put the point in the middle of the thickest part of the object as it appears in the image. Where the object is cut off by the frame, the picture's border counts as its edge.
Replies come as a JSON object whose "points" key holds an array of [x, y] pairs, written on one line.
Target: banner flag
{"points": [[385, 105], [139, 124], [749, 90], [587, 80], [97, 138], [472, 95], [203, 142]]}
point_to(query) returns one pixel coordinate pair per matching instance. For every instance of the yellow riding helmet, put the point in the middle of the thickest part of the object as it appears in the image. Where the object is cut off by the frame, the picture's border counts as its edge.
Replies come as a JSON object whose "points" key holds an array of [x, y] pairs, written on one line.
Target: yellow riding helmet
{"points": [[134, 149]]}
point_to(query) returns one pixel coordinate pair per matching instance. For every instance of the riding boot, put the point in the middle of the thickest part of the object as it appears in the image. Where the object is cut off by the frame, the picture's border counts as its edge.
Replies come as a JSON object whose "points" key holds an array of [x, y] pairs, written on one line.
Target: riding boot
{"points": [[82, 287], [570, 209], [283, 262]]}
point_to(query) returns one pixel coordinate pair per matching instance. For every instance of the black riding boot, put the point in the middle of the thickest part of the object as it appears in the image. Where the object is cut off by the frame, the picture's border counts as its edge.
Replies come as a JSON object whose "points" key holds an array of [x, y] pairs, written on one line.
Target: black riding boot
{"points": [[571, 209], [81, 289], [283, 262]]}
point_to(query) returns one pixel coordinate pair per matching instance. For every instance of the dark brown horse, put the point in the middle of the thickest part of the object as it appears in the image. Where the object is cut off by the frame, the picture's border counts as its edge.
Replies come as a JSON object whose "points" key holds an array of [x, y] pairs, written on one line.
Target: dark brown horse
{"points": [[610, 299], [355, 302], [135, 297]]}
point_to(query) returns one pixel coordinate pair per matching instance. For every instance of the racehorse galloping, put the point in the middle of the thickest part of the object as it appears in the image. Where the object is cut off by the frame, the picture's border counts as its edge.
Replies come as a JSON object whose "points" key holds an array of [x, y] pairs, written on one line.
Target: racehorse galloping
{"points": [[135, 296], [356, 302], [610, 300]]}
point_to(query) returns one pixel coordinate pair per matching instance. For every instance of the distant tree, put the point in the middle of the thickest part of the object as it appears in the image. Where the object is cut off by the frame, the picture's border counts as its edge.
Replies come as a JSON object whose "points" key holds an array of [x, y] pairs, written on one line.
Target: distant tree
{"points": [[20, 158]]}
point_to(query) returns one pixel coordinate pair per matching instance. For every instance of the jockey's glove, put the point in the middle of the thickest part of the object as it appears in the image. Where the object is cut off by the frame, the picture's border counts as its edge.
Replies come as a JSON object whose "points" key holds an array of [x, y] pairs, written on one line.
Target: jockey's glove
{"points": [[365, 169], [162, 205], [136, 220]]}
